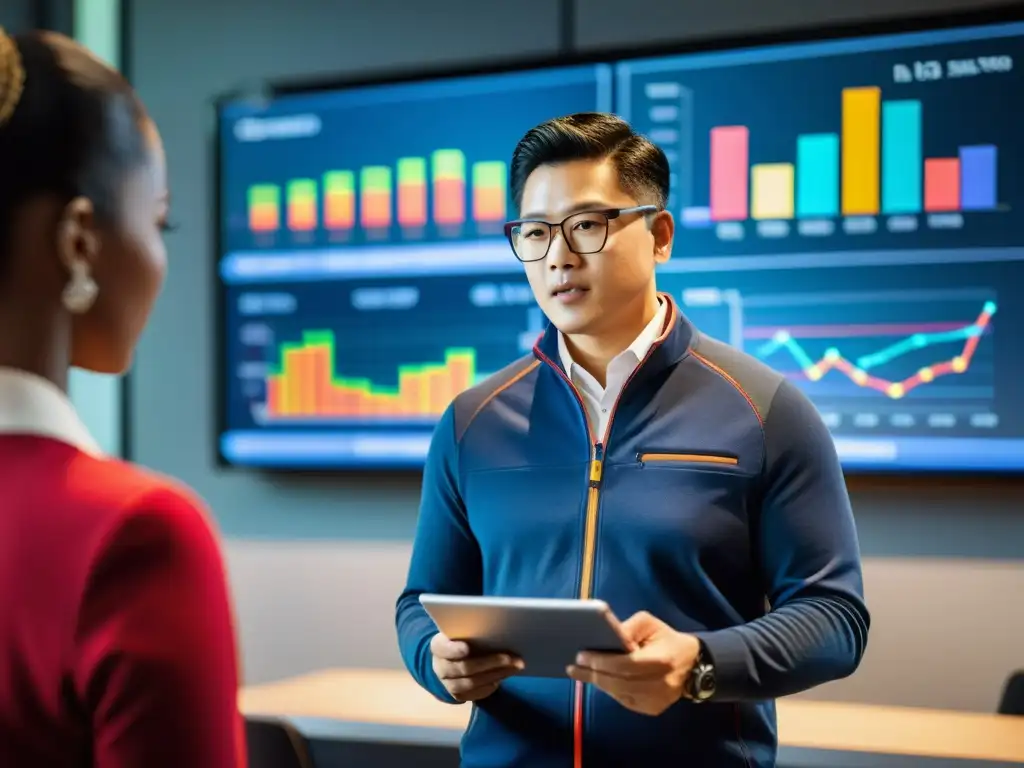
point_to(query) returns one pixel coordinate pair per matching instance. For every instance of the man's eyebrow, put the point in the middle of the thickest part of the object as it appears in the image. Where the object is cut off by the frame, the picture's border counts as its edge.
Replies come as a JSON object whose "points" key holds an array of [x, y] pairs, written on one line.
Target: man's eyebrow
{"points": [[586, 205]]}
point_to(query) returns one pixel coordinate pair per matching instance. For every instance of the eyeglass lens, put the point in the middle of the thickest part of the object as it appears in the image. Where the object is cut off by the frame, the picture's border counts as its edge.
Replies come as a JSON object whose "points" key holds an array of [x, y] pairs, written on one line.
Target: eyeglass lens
{"points": [[584, 233]]}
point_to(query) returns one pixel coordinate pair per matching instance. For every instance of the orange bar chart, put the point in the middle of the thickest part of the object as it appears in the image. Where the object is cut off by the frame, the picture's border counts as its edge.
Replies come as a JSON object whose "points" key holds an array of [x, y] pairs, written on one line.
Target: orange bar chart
{"points": [[306, 387], [489, 185], [264, 207], [339, 200], [449, 175], [375, 181], [412, 192], [302, 207]]}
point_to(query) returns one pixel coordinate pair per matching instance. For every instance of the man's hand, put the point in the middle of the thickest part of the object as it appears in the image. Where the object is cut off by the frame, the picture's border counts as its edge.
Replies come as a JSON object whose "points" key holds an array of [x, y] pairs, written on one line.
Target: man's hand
{"points": [[467, 677], [651, 678]]}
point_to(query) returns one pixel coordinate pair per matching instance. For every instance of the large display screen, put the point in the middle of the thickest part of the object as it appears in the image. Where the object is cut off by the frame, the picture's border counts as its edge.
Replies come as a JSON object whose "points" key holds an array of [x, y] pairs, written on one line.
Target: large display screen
{"points": [[847, 211]]}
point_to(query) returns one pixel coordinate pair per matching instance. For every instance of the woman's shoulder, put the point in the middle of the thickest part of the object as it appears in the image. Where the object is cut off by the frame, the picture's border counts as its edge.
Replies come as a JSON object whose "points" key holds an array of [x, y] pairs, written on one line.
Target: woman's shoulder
{"points": [[138, 502]]}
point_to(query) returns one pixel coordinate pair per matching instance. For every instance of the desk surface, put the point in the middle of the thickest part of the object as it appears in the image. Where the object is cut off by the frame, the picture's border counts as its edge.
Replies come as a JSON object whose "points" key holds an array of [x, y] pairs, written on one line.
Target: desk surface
{"points": [[391, 697]]}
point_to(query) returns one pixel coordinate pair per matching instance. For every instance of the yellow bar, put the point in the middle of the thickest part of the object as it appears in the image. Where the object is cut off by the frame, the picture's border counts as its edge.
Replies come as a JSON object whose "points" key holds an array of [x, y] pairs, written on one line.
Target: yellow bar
{"points": [[772, 191], [291, 375], [439, 389], [861, 144], [423, 393]]}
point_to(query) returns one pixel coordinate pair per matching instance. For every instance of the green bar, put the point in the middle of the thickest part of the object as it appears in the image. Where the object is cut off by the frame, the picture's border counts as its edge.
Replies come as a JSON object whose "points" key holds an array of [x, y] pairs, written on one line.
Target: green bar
{"points": [[264, 194], [489, 174], [339, 182], [460, 353], [360, 385], [318, 338], [301, 189], [375, 178], [448, 164], [412, 170]]}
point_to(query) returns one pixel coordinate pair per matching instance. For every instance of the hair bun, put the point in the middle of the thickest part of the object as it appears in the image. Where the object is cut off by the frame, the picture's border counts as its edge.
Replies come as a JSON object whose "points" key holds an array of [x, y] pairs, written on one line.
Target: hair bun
{"points": [[12, 77]]}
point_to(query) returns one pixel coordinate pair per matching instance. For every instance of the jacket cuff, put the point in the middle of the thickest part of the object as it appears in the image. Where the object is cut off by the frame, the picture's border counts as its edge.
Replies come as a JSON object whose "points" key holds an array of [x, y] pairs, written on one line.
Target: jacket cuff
{"points": [[727, 650]]}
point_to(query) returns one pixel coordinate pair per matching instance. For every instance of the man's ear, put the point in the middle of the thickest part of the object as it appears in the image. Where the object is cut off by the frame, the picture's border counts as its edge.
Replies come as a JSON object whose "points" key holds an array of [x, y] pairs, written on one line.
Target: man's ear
{"points": [[663, 227]]}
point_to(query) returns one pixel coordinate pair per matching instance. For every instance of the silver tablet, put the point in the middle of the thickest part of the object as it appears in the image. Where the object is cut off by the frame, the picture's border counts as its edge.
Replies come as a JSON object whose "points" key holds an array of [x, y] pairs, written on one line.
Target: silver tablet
{"points": [[546, 633]]}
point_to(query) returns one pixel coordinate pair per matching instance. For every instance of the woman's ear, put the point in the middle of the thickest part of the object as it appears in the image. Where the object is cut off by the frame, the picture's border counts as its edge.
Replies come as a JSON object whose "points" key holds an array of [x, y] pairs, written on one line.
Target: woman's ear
{"points": [[78, 247], [77, 240]]}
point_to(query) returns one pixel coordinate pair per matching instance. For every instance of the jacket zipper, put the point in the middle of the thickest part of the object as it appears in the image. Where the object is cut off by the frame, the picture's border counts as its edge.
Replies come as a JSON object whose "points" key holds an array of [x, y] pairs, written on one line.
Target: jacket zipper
{"points": [[594, 476]]}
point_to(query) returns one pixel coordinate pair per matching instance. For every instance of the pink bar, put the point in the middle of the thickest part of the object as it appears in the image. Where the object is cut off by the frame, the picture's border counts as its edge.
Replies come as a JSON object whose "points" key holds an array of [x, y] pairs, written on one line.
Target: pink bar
{"points": [[729, 172]]}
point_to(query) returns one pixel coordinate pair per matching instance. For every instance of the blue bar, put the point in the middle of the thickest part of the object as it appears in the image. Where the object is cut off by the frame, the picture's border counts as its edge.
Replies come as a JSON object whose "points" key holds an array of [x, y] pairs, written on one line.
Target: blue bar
{"points": [[978, 178], [902, 164], [817, 179]]}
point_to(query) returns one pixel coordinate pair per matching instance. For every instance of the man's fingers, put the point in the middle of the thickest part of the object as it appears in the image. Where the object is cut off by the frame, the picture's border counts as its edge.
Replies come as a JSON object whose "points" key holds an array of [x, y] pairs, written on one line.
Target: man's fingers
{"points": [[478, 665], [477, 685], [622, 665], [640, 627], [478, 693], [443, 648], [627, 692], [613, 685]]}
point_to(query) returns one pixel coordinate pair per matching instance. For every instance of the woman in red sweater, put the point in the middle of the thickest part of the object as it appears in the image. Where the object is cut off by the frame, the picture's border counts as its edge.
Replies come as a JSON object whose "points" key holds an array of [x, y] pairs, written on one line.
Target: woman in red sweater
{"points": [[117, 648]]}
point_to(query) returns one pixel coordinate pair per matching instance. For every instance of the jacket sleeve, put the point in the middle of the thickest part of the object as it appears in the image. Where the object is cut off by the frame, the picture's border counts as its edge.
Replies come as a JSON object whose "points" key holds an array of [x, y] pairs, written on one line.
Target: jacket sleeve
{"points": [[817, 627], [445, 556], [155, 649]]}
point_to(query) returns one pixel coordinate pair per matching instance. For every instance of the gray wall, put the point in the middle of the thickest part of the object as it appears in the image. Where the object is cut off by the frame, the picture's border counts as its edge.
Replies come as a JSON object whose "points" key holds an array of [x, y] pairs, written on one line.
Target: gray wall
{"points": [[316, 565]]}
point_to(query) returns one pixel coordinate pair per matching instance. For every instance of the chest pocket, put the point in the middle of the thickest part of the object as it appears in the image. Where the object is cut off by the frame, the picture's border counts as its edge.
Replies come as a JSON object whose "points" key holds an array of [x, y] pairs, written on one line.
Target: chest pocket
{"points": [[700, 497], [687, 460]]}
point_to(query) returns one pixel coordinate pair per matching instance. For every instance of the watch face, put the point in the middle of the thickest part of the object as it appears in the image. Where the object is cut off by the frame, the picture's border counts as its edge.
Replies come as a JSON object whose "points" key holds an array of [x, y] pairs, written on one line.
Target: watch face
{"points": [[705, 684]]}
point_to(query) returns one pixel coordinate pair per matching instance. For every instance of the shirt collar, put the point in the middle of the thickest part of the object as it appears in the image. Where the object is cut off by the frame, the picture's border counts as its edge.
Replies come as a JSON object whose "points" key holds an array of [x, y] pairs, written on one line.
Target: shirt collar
{"points": [[636, 351], [31, 405]]}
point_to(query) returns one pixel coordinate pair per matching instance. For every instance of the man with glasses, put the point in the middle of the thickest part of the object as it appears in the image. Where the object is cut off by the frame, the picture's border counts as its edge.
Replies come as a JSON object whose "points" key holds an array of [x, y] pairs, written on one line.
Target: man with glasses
{"points": [[633, 459]]}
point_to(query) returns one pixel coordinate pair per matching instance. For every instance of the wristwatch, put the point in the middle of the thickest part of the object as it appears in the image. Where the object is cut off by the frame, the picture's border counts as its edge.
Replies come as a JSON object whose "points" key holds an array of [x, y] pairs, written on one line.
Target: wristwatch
{"points": [[700, 686]]}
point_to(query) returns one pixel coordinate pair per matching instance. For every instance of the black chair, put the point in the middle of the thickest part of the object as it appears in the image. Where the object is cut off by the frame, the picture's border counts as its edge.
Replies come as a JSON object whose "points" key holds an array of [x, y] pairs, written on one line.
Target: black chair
{"points": [[274, 743], [1012, 701]]}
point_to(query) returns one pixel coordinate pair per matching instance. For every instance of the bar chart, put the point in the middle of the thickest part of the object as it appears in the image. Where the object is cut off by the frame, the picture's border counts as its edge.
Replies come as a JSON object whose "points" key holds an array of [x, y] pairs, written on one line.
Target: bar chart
{"points": [[306, 387], [405, 165], [443, 191], [832, 153], [373, 353], [873, 166]]}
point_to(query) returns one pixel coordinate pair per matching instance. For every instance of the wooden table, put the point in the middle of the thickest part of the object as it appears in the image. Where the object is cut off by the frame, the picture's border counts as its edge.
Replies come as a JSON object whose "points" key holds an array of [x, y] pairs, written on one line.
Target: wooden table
{"points": [[388, 704]]}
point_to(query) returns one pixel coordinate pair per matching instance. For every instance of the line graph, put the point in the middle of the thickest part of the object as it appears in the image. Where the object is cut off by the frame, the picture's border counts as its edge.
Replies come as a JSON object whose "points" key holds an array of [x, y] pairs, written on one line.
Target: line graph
{"points": [[857, 370], [916, 361]]}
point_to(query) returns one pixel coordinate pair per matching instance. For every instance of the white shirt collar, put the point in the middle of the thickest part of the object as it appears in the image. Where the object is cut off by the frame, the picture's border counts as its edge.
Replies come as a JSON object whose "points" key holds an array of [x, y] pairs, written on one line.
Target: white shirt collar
{"points": [[31, 405], [635, 352]]}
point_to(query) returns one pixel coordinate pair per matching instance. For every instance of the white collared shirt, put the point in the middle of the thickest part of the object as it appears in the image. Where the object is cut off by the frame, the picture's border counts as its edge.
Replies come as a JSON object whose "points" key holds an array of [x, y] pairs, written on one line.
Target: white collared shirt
{"points": [[600, 400], [31, 405]]}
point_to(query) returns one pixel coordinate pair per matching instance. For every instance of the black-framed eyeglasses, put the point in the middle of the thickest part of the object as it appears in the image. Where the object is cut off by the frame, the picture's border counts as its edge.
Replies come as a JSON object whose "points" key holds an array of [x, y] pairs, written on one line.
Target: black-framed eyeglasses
{"points": [[584, 233]]}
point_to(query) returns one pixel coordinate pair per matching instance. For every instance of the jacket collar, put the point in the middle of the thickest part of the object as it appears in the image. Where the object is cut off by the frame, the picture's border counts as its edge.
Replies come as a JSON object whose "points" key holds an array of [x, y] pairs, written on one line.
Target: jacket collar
{"points": [[669, 348], [31, 405]]}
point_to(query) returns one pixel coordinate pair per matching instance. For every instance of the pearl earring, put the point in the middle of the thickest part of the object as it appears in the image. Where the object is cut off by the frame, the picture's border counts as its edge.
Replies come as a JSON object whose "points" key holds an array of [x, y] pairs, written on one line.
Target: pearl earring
{"points": [[80, 292]]}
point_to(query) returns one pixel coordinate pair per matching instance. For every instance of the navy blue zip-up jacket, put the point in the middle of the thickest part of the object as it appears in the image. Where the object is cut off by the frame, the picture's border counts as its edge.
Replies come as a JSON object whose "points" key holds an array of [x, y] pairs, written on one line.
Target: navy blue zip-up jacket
{"points": [[715, 501]]}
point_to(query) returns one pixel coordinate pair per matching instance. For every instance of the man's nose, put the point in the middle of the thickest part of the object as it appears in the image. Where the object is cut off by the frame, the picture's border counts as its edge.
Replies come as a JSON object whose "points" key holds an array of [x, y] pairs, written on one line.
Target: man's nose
{"points": [[560, 255]]}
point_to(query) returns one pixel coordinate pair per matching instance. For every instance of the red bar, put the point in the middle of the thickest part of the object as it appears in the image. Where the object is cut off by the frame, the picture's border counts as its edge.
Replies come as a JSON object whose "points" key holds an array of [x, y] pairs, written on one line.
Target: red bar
{"points": [[730, 172], [376, 210], [412, 205], [449, 201], [941, 184]]}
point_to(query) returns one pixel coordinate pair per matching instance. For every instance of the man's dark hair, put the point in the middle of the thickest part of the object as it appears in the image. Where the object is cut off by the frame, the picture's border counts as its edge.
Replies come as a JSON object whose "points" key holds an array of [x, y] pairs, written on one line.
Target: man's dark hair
{"points": [[73, 126], [642, 165]]}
